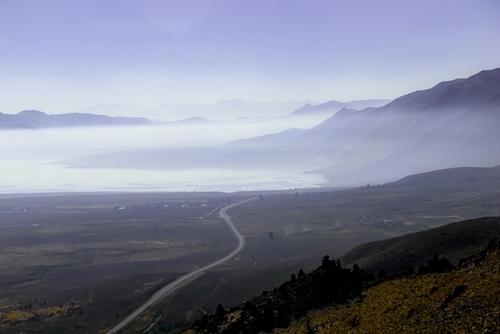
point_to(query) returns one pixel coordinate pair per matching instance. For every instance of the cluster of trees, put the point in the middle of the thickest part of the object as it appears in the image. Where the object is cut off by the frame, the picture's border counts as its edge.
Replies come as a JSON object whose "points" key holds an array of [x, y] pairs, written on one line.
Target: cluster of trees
{"points": [[328, 284], [436, 265]]}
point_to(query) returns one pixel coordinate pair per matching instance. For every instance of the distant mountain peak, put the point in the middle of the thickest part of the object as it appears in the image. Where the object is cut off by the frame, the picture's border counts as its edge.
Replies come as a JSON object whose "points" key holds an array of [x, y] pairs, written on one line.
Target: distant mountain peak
{"points": [[31, 113], [333, 106]]}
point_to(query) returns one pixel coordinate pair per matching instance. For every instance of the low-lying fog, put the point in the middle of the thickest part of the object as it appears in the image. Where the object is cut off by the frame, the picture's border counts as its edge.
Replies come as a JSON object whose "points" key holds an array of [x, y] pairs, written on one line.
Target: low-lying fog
{"points": [[27, 157], [351, 148]]}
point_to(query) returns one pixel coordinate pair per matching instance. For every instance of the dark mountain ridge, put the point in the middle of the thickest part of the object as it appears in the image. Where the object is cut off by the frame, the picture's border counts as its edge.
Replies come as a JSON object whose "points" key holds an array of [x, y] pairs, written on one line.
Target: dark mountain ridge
{"points": [[474, 91], [452, 124]]}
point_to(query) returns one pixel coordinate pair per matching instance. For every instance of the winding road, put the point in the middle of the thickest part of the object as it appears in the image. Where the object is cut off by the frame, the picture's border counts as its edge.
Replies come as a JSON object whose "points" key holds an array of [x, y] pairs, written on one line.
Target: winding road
{"points": [[362, 215], [183, 280]]}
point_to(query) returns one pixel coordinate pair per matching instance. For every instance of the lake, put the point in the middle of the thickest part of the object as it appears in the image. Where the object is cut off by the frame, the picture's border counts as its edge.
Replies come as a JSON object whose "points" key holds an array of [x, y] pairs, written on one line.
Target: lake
{"points": [[26, 159]]}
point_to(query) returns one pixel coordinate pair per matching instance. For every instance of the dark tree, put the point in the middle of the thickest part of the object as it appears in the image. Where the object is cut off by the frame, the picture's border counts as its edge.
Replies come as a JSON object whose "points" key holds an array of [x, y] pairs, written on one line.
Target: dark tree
{"points": [[301, 274], [382, 274], [437, 265], [422, 270], [410, 270], [220, 312]]}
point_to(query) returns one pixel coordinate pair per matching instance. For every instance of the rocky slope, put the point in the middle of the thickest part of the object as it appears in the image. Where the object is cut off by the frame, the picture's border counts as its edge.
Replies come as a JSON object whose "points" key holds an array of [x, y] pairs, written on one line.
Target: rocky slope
{"points": [[465, 300]]}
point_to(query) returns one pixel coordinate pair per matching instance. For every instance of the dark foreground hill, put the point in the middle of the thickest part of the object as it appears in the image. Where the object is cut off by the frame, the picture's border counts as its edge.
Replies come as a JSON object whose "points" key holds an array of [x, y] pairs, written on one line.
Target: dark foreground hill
{"points": [[353, 300], [454, 242], [464, 300]]}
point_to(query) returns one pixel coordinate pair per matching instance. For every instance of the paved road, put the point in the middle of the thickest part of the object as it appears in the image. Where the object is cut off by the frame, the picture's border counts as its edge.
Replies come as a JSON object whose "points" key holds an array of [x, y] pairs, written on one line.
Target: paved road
{"points": [[183, 280], [362, 215]]}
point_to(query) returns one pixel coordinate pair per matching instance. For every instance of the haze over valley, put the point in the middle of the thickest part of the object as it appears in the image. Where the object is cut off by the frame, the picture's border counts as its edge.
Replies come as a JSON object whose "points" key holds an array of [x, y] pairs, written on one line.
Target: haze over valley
{"points": [[251, 166], [452, 124]]}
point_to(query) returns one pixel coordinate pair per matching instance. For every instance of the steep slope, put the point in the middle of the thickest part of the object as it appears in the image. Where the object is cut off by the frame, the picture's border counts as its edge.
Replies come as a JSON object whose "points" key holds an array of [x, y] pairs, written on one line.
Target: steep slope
{"points": [[459, 94], [461, 301], [450, 125], [453, 241]]}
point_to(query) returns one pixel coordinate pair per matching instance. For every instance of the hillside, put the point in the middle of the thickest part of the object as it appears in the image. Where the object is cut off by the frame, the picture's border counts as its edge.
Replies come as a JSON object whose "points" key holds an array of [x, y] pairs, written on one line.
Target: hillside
{"points": [[464, 300], [450, 175], [453, 241], [476, 91], [353, 300], [450, 125]]}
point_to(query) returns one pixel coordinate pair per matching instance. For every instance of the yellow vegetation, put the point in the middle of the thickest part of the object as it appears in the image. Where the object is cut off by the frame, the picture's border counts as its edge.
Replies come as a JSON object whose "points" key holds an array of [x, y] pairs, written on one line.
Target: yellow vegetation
{"points": [[461, 301], [20, 316], [49, 312]]}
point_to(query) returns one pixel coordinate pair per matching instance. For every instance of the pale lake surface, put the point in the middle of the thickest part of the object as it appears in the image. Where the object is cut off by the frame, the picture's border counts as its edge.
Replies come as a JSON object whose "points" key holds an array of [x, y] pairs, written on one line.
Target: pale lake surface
{"points": [[33, 176], [26, 159]]}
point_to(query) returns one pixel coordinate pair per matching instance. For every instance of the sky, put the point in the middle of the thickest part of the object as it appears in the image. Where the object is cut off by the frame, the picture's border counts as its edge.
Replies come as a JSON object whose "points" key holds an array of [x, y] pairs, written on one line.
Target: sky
{"points": [[60, 55]]}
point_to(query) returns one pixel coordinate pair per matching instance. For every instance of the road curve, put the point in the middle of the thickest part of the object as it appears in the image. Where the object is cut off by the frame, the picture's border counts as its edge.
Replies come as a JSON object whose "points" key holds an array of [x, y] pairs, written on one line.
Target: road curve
{"points": [[183, 280], [362, 215]]}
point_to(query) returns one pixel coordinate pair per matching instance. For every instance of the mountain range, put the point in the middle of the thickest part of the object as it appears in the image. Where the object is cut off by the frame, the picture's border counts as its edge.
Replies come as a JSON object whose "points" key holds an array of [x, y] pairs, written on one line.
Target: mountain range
{"points": [[223, 110], [452, 124], [332, 107], [449, 125], [228, 110]]}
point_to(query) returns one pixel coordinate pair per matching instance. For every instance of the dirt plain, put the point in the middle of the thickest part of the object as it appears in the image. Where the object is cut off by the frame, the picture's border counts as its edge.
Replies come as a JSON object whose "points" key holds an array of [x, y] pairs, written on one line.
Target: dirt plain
{"points": [[79, 263]]}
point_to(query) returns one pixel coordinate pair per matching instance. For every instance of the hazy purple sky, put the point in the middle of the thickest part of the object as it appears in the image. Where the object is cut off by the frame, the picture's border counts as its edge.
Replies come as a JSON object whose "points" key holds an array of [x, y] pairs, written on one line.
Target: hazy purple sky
{"points": [[62, 55]]}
